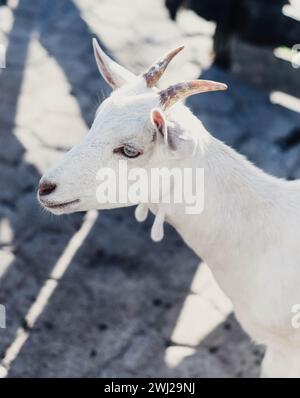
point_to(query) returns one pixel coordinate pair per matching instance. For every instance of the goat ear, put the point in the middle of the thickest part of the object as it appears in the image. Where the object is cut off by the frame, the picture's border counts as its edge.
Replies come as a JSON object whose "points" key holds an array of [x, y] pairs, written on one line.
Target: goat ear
{"points": [[180, 143], [114, 74], [159, 122]]}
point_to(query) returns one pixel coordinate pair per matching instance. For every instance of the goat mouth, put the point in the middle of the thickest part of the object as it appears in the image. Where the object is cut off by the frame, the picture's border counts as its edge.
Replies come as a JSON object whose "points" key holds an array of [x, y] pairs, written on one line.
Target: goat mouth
{"points": [[50, 205]]}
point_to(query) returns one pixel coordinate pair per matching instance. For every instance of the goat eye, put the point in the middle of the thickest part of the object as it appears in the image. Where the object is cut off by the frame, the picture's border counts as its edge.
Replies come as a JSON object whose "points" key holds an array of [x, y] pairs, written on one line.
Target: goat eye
{"points": [[129, 151]]}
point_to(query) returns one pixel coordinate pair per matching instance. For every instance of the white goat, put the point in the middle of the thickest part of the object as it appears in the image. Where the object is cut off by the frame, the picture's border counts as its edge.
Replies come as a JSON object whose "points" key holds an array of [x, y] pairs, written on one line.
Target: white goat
{"points": [[249, 230]]}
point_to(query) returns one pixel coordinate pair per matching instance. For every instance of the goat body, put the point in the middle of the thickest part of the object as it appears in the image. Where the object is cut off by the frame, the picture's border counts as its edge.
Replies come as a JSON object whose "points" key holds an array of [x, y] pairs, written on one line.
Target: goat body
{"points": [[248, 232]]}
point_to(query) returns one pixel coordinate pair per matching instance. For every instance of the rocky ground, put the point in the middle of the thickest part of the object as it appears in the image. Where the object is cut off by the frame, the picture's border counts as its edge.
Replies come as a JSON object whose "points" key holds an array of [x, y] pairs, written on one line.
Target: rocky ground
{"points": [[92, 296]]}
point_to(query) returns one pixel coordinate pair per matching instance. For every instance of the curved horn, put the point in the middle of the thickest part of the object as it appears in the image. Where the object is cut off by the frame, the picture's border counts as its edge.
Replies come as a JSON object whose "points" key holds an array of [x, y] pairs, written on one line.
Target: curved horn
{"points": [[176, 92], [156, 70]]}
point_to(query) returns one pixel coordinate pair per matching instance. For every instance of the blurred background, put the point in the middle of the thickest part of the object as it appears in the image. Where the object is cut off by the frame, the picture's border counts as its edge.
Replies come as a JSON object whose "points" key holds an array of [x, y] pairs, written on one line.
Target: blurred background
{"points": [[91, 295]]}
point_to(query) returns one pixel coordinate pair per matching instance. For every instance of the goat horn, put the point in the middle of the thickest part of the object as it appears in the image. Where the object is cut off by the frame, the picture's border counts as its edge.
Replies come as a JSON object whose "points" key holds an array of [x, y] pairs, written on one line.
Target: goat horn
{"points": [[156, 70], [176, 92]]}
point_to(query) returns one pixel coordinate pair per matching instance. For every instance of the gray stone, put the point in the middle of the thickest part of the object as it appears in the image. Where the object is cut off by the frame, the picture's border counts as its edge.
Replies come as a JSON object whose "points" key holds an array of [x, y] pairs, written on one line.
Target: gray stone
{"points": [[265, 155]]}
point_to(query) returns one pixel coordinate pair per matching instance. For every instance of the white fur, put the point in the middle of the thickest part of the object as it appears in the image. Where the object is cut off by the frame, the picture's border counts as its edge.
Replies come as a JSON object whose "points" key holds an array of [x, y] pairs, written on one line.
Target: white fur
{"points": [[248, 232]]}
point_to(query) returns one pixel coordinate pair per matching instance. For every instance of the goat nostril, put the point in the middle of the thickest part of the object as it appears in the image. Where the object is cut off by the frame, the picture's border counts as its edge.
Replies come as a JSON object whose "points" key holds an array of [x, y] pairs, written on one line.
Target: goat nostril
{"points": [[46, 187]]}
